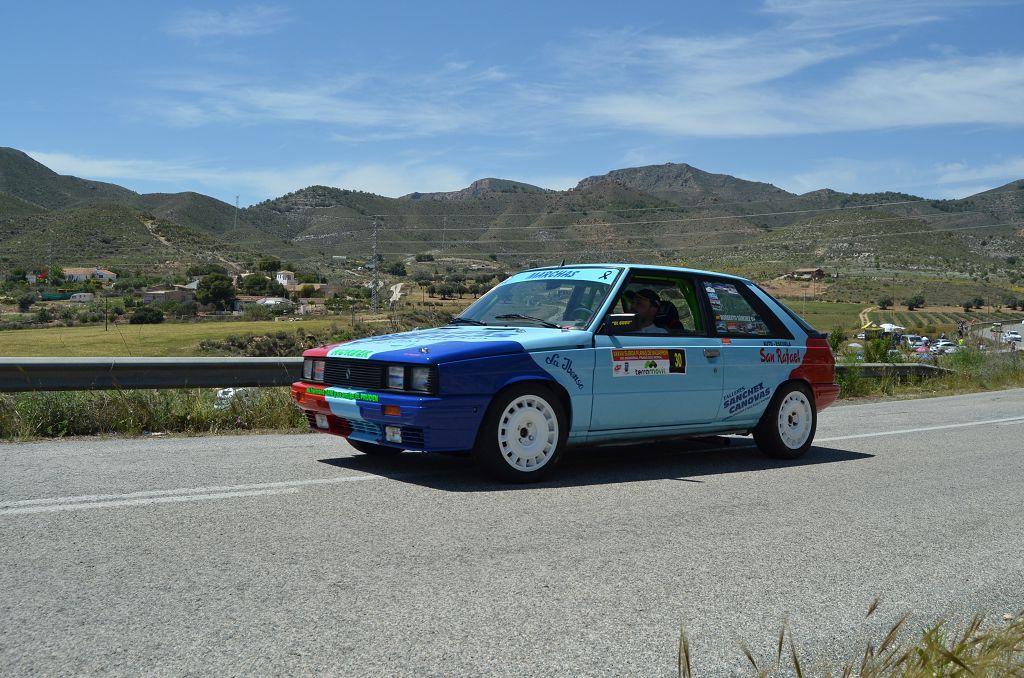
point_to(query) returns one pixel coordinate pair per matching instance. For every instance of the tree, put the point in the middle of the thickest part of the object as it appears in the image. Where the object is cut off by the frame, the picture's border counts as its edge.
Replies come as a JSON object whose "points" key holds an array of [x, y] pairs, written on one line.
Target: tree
{"points": [[215, 289], [271, 264], [978, 302], [967, 306], [199, 270], [884, 302], [25, 301], [424, 257], [916, 301], [146, 315], [396, 268]]}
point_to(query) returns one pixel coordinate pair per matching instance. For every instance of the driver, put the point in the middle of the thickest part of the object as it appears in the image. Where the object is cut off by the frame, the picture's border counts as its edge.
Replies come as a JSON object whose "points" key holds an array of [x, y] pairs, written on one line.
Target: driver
{"points": [[645, 307]]}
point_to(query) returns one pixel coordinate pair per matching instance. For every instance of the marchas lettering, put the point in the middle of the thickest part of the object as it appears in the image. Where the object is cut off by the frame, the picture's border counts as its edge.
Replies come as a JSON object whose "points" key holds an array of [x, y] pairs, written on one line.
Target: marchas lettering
{"points": [[552, 274]]}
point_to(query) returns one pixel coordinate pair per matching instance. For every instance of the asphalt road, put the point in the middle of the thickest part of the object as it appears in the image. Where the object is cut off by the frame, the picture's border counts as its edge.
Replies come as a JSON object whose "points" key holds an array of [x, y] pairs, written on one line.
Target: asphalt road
{"points": [[293, 554]]}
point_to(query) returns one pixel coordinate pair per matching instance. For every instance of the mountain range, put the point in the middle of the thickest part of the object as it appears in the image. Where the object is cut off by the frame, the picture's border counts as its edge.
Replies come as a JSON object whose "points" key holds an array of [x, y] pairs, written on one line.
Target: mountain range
{"points": [[668, 213]]}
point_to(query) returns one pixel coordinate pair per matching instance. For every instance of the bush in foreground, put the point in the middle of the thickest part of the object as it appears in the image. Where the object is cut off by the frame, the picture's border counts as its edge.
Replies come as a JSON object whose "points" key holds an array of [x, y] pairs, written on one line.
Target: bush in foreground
{"points": [[976, 649], [74, 413]]}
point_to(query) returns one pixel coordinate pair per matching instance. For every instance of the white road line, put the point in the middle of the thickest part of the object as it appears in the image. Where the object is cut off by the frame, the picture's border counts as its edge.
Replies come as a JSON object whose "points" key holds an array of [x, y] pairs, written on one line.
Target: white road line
{"points": [[217, 491], [921, 429], [137, 502]]}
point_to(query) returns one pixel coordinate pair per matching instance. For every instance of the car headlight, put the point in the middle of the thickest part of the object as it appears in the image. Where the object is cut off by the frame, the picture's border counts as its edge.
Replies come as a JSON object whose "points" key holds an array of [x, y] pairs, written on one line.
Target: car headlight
{"points": [[313, 370], [419, 379], [396, 376]]}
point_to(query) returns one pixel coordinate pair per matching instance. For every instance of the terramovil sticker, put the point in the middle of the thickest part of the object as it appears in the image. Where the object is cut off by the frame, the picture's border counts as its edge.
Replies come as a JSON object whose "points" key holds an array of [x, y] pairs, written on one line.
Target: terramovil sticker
{"points": [[647, 362], [745, 397]]}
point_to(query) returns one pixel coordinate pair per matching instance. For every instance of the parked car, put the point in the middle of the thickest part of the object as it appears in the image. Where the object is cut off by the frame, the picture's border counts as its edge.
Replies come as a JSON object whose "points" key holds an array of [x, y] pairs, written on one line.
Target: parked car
{"points": [[1011, 335], [578, 355], [942, 346]]}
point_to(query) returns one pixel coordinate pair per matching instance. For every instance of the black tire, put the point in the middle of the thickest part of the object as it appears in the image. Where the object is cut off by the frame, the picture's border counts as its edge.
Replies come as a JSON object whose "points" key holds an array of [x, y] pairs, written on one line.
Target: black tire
{"points": [[373, 449], [783, 432], [528, 454]]}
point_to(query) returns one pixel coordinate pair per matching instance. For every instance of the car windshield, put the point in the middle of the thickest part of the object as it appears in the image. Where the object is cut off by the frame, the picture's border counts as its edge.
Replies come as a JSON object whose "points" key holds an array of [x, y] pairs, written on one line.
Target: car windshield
{"points": [[564, 298]]}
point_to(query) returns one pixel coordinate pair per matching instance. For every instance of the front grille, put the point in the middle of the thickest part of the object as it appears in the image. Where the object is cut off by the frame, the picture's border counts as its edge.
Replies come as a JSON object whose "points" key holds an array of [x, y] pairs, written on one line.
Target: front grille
{"points": [[370, 375], [413, 437], [362, 426], [354, 373]]}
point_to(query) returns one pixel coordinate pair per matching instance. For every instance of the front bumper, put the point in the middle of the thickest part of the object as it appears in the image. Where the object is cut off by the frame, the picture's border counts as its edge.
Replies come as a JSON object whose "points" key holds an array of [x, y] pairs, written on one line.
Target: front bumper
{"points": [[427, 423]]}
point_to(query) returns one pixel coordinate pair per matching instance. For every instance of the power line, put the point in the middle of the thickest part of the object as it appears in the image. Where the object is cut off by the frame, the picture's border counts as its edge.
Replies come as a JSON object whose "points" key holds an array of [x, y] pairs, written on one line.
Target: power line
{"points": [[715, 217], [719, 245]]}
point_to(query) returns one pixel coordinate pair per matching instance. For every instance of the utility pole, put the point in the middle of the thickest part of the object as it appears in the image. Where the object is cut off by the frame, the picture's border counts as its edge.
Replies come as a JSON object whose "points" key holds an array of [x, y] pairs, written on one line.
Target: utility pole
{"points": [[444, 228], [236, 213], [376, 271]]}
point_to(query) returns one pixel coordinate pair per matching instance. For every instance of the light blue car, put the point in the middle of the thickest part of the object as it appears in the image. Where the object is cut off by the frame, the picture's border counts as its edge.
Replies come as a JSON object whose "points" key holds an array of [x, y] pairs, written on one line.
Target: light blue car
{"points": [[580, 355]]}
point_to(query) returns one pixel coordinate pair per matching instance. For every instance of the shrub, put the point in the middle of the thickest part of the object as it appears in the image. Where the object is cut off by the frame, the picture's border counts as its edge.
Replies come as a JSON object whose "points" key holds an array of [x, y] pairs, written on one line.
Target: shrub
{"points": [[147, 315], [835, 338]]}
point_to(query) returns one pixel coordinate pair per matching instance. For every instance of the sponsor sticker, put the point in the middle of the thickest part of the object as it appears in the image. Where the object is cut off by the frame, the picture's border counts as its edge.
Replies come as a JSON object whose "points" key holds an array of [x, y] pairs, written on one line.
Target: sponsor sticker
{"points": [[745, 397], [648, 362], [343, 395], [350, 353]]}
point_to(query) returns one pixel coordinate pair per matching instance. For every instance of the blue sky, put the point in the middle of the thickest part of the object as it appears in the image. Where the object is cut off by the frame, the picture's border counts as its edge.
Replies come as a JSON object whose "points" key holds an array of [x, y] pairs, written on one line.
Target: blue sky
{"points": [[255, 100]]}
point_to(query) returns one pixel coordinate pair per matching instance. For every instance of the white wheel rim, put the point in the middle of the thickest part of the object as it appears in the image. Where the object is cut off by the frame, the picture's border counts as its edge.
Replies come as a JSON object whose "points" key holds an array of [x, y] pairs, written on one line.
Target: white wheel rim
{"points": [[795, 419], [527, 433]]}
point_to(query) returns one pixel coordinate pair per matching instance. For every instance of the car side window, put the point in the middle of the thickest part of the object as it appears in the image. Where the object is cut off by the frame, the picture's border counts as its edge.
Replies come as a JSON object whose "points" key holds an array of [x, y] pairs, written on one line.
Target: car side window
{"points": [[660, 305], [734, 314]]}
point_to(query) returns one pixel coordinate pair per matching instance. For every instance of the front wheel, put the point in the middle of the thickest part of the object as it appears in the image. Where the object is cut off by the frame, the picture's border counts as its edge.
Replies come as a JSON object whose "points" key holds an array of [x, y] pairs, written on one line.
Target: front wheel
{"points": [[523, 434], [787, 427], [373, 449]]}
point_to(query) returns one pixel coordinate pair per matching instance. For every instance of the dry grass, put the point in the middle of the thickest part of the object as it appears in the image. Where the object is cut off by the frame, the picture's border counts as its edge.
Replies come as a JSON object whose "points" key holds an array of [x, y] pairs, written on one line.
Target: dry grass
{"points": [[977, 649]]}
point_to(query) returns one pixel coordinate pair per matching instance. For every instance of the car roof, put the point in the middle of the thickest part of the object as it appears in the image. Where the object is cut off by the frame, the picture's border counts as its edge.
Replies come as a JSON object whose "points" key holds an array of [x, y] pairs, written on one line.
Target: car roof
{"points": [[646, 267]]}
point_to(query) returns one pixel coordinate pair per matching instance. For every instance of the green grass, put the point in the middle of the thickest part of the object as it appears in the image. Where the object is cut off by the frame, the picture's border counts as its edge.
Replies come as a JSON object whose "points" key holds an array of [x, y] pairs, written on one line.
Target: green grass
{"points": [[824, 315], [164, 339]]}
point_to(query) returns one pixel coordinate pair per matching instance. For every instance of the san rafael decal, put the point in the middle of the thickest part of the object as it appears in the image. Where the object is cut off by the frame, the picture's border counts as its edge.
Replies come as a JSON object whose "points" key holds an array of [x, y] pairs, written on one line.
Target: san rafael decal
{"points": [[648, 362], [745, 397], [565, 364], [781, 356]]}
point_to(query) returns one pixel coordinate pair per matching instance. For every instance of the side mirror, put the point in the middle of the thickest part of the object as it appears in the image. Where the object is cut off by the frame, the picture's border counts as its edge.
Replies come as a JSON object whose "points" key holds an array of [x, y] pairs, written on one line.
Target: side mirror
{"points": [[618, 323]]}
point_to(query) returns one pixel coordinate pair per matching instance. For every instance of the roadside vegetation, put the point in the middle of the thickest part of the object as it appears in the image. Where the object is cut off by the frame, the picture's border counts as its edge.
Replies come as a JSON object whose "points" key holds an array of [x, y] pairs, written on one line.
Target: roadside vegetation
{"points": [[25, 416], [976, 648]]}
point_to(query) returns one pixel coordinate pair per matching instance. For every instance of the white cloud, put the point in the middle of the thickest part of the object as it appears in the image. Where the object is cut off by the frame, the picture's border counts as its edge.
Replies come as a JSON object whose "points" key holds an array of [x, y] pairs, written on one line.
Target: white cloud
{"points": [[1002, 172], [247, 20], [389, 180]]}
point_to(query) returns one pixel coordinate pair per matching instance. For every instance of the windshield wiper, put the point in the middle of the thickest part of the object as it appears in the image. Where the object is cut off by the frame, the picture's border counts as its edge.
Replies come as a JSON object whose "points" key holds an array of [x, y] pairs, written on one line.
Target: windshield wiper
{"points": [[520, 316], [469, 321]]}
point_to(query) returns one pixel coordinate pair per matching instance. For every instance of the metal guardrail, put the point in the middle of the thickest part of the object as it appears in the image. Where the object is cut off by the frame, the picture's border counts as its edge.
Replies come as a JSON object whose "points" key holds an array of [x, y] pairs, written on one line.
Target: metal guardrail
{"points": [[81, 374]]}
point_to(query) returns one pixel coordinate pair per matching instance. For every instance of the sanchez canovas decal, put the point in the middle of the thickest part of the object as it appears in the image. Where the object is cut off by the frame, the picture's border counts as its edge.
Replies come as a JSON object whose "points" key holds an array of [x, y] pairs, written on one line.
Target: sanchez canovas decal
{"points": [[647, 362], [745, 397]]}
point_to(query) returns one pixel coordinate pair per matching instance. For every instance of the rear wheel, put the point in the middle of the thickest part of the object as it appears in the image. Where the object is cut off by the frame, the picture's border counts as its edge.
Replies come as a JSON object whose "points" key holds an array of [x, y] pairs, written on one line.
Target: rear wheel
{"points": [[373, 449], [786, 429], [523, 434]]}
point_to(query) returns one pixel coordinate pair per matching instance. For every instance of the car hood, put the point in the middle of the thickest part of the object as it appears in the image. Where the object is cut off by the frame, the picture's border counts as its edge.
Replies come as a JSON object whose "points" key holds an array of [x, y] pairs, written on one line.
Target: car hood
{"points": [[459, 342]]}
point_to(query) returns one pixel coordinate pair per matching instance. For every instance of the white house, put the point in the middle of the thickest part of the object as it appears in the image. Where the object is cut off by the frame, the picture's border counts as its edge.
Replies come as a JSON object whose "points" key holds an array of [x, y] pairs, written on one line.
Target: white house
{"points": [[83, 274], [286, 278]]}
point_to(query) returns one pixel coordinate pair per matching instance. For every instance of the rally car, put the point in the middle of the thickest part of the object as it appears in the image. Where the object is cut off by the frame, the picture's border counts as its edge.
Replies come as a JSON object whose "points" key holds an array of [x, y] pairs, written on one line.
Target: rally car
{"points": [[575, 355]]}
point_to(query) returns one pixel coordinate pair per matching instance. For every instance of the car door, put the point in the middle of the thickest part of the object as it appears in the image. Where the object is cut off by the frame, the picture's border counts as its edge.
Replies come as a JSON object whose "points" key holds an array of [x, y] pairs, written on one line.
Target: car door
{"points": [[758, 352], [662, 377]]}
